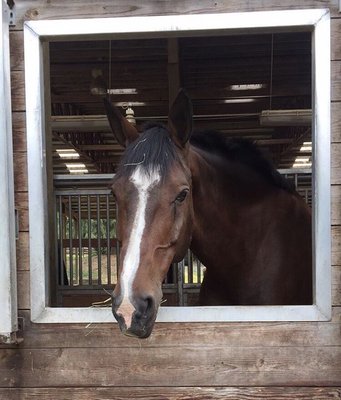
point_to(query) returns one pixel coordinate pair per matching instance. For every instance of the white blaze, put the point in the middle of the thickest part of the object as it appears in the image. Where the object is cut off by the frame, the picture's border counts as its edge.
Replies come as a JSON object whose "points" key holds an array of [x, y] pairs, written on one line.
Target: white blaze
{"points": [[144, 182]]}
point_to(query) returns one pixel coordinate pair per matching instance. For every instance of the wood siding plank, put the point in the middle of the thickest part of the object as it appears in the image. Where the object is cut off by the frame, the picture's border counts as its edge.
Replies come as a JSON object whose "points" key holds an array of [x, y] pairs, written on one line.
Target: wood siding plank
{"points": [[336, 163], [336, 121], [336, 80], [21, 204], [18, 90], [336, 286], [17, 50], [23, 285], [203, 335], [335, 204], [19, 132], [42, 9], [20, 172], [336, 245], [22, 244], [335, 28], [180, 393], [216, 366]]}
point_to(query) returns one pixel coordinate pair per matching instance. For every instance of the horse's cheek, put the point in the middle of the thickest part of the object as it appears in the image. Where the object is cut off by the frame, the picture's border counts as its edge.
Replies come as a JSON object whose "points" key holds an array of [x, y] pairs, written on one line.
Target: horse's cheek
{"points": [[183, 232]]}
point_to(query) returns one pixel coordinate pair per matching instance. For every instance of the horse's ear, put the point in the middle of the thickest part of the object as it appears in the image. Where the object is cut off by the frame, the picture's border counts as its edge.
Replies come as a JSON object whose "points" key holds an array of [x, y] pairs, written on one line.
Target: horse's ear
{"points": [[123, 130], [180, 118]]}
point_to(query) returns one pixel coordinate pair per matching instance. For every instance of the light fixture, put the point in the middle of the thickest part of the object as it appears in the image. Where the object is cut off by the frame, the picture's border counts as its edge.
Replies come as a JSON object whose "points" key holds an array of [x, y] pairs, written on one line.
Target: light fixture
{"points": [[240, 100], [130, 116], [300, 165], [306, 146], [77, 168], [299, 117], [122, 91], [67, 153], [248, 86]]}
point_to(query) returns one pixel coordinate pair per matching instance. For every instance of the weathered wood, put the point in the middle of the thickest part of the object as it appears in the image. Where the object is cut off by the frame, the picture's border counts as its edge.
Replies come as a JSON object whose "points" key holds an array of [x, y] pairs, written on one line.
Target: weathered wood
{"points": [[23, 284], [19, 132], [336, 285], [336, 163], [18, 90], [184, 366], [23, 262], [20, 172], [336, 121], [21, 204], [336, 80], [179, 393], [178, 335], [336, 245], [335, 32], [17, 50], [42, 9], [335, 204]]}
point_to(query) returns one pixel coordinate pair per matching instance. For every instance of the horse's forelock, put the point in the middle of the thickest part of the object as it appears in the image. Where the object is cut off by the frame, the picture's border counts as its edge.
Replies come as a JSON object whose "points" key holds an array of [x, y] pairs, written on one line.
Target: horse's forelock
{"points": [[153, 150]]}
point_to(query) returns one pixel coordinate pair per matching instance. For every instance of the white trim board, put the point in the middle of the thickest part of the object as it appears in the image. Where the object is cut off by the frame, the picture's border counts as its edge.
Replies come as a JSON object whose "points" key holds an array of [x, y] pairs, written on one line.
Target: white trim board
{"points": [[8, 285], [38, 32]]}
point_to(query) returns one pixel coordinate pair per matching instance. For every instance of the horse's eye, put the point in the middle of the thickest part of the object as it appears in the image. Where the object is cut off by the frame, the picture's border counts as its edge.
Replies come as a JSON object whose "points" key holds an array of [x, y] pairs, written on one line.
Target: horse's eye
{"points": [[181, 196]]}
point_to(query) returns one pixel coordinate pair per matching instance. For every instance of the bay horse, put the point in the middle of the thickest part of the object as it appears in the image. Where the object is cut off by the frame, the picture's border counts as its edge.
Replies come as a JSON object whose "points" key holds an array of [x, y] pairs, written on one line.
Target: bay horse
{"points": [[222, 199]]}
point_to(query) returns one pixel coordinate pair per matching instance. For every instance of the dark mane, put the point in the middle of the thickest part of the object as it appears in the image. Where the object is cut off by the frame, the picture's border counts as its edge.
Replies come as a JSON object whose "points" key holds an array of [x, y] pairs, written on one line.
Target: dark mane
{"points": [[243, 151], [153, 149]]}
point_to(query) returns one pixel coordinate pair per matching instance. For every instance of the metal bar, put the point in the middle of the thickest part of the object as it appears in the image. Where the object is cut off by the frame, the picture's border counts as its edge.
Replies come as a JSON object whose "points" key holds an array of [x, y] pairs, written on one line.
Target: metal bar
{"points": [[180, 269], [190, 266], [75, 192], [80, 248], [89, 242], [70, 241], [99, 258], [108, 242], [61, 248], [117, 242], [83, 177], [199, 270], [290, 171]]}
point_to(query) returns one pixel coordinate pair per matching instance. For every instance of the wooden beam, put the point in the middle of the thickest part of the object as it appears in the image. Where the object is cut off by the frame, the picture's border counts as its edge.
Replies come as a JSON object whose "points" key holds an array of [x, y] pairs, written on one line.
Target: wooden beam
{"points": [[174, 81]]}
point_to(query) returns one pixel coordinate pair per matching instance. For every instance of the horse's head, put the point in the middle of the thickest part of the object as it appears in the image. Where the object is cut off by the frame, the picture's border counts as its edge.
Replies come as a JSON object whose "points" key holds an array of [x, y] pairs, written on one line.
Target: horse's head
{"points": [[153, 192]]}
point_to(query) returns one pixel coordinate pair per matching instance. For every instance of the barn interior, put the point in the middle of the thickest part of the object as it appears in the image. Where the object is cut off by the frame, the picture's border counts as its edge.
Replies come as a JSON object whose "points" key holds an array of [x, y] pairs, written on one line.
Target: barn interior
{"points": [[254, 86]]}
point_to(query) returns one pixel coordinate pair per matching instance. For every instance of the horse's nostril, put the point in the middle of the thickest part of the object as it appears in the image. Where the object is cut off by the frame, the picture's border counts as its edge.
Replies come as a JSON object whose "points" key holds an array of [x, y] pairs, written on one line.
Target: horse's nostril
{"points": [[150, 303], [144, 306]]}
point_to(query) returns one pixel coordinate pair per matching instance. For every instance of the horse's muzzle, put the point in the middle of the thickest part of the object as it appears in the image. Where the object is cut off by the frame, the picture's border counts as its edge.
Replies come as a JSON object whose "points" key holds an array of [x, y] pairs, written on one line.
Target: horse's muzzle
{"points": [[140, 324]]}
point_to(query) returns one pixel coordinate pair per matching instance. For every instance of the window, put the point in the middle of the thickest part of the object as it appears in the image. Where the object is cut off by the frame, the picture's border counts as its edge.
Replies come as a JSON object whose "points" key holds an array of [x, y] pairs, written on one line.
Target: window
{"points": [[38, 33]]}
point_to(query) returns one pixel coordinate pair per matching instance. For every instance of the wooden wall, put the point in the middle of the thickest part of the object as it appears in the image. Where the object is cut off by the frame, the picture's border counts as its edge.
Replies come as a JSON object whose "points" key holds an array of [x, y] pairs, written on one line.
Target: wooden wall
{"points": [[179, 361]]}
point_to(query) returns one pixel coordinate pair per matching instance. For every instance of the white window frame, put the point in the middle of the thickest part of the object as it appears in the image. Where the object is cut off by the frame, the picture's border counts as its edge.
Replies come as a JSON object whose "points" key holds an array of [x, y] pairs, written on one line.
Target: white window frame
{"points": [[8, 283], [37, 32]]}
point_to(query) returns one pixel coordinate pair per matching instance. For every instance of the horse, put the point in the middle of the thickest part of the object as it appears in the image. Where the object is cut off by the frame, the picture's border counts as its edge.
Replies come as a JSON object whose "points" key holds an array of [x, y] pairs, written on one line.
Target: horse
{"points": [[219, 197]]}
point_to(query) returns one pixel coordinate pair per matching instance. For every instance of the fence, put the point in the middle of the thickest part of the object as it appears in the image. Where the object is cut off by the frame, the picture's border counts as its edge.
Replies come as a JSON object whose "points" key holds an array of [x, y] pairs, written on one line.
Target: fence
{"points": [[87, 252]]}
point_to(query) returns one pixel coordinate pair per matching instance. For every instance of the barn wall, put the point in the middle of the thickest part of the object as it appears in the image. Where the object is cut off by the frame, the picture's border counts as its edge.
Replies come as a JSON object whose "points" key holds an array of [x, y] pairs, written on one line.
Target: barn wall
{"points": [[193, 361]]}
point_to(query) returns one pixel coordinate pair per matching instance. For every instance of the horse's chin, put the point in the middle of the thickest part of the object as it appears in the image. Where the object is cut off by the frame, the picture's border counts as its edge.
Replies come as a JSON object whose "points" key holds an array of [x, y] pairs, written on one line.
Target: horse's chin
{"points": [[138, 334]]}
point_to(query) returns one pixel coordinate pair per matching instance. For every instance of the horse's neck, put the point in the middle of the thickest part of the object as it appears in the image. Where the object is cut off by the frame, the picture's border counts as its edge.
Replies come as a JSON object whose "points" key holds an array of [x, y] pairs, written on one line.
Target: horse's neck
{"points": [[219, 184], [222, 197]]}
